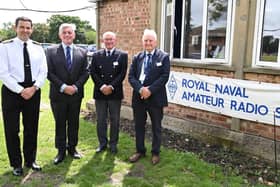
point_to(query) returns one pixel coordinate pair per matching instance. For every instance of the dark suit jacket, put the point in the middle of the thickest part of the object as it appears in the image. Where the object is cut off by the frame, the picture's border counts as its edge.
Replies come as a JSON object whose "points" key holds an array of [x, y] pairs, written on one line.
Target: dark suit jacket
{"points": [[110, 70], [58, 73], [156, 79]]}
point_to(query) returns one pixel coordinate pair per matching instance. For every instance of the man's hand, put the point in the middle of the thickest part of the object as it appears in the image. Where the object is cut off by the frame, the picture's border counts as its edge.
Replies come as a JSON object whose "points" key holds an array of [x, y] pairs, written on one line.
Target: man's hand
{"points": [[145, 93], [107, 90], [28, 92], [69, 90]]}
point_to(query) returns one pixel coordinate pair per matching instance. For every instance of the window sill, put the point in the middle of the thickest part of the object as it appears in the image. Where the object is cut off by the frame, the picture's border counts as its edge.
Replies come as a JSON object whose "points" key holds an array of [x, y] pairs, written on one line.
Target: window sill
{"points": [[214, 66]]}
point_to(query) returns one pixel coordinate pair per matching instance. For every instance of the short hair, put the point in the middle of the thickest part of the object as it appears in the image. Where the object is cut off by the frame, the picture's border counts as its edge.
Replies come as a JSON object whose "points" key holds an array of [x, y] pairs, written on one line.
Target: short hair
{"points": [[22, 18], [64, 25], [150, 32], [109, 33]]}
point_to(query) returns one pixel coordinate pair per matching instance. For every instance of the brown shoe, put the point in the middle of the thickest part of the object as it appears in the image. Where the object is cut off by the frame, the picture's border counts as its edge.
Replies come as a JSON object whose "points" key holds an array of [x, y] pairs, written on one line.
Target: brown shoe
{"points": [[155, 159], [135, 157]]}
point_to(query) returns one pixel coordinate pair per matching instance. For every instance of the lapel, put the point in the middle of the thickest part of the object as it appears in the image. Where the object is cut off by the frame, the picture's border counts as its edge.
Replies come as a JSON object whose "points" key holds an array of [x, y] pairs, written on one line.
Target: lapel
{"points": [[104, 52], [61, 55], [154, 58], [74, 58], [140, 62]]}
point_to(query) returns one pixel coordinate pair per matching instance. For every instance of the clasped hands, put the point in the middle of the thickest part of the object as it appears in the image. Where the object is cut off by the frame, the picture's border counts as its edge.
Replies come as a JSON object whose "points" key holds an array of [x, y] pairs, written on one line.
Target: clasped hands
{"points": [[28, 92], [69, 90], [145, 93], [107, 89]]}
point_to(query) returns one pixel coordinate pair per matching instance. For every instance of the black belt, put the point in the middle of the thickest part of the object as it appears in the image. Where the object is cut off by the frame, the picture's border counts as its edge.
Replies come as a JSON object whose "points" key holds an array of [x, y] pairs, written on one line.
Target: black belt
{"points": [[26, 84]]}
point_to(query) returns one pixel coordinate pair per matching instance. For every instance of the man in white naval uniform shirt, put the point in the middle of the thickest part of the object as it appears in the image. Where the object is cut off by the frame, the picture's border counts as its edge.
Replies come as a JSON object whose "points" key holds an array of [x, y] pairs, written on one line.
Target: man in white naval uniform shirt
{"points": [[22, 72]]}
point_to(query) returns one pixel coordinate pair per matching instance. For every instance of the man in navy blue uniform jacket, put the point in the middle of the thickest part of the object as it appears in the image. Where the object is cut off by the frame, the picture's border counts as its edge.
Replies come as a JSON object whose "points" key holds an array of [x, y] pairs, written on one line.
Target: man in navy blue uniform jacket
{"points": [[108, 70], [148, 75]]}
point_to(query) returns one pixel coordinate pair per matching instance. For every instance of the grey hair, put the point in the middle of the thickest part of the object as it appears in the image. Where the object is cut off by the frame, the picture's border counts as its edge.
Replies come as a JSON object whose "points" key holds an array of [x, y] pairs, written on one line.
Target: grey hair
{"points": [[64, 25], [109, 33], [150, 32]]}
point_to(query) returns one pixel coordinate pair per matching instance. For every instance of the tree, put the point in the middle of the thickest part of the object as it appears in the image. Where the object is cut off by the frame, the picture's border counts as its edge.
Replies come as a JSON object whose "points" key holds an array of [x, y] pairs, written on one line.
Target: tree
{"points": [[7, 32], [40, 32], [90, 37], [81, 27]]}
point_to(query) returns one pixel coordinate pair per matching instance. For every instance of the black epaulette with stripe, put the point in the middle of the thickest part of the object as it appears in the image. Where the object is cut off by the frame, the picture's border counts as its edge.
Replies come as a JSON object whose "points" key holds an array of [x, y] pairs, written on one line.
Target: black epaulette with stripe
{"points": [[7, 41]]}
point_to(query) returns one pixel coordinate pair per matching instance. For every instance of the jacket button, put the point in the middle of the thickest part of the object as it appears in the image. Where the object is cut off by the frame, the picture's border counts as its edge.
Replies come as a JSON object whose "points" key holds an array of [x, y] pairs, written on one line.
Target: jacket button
{"points": [[111, 76], [102, 75]]}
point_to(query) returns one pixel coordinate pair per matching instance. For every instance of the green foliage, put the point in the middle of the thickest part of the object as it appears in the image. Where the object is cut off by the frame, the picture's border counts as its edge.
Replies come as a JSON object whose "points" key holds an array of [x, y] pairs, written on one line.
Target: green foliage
{"points": [[90, 37], [7, 32], [40, 33], [56, 20], [48, 33]]}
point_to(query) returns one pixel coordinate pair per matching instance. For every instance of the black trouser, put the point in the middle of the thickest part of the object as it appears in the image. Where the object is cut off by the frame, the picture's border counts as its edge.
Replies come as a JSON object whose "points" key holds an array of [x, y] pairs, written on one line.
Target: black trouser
{"points": [[66, 114], [12, 105], [140, 116]]}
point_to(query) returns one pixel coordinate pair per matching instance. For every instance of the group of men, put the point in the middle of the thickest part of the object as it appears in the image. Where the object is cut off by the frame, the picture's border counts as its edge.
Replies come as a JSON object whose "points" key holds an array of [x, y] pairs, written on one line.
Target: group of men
{"points": [[25, 67]]}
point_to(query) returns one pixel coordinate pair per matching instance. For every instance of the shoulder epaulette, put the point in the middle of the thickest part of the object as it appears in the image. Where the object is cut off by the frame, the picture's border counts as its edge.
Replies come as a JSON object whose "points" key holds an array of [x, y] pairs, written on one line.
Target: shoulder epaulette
{"points": [[7, 41], [37, 43]]}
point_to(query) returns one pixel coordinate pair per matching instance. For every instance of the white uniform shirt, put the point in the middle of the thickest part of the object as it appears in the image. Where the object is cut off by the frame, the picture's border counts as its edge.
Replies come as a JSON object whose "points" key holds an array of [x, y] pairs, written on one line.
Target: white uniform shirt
{"points": [[12, 64]]}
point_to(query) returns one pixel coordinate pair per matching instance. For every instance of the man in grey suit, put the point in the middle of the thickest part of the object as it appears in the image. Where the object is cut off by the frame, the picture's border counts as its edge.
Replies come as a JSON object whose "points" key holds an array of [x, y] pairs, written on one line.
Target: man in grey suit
{"points": [[108, 70], [67, 73], [148, 75]]}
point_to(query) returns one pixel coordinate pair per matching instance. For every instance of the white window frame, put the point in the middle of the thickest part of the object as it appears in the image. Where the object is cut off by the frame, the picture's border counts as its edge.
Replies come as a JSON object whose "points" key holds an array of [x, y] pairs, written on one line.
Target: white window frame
{"points": [[257, 63], [204, 60]]}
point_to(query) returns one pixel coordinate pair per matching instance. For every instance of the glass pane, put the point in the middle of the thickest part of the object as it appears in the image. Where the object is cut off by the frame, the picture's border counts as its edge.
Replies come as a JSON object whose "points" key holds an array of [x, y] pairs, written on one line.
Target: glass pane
{"points": [[167, 29], [193, 29], [271, 31], [216, 29]]}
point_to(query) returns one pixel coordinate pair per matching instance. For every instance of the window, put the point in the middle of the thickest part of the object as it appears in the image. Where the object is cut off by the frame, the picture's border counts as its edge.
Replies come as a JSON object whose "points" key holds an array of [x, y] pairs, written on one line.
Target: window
{"points": [[267, 34], [200, 30]]}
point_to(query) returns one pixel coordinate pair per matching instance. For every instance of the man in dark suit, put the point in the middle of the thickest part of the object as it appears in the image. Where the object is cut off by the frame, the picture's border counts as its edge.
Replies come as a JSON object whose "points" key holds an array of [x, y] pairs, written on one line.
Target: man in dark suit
{"points": [[67, 73], [108, 70], [148, 75]]}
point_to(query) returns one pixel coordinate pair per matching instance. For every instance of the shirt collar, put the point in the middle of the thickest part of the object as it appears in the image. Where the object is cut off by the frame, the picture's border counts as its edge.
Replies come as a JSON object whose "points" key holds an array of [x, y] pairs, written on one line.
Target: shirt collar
{"points": [[111, 50], [152, 53], [22, 42], [64, 46]]}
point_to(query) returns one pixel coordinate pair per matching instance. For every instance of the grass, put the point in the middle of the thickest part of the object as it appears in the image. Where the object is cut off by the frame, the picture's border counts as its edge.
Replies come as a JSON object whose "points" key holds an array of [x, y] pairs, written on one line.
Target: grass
{"points": [[105, 169]]}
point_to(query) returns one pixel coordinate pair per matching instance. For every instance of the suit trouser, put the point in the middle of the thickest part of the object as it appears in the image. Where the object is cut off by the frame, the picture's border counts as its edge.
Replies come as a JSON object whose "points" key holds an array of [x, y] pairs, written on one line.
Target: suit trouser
{"points": [[67, 116], [12, 105], [103, 107], [140, 117]]}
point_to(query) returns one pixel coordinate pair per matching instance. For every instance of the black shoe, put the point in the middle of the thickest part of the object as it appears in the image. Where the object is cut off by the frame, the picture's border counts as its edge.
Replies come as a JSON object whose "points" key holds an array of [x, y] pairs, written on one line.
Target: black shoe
{"points": [[18, 171], [113, 150], [74, 153], [34, 166], [59, 158], [100, 149]]}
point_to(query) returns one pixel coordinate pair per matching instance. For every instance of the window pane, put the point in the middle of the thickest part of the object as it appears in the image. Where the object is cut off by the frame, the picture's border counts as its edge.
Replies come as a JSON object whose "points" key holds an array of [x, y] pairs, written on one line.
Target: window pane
{"points": [[271, 31], [193, 29], [167, 30], [216, 29]]}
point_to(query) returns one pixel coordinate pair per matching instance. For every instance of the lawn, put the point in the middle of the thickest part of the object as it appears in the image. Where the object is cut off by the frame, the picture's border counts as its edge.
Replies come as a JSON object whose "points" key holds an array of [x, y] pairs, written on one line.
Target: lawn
{"points": [[105, 169]]}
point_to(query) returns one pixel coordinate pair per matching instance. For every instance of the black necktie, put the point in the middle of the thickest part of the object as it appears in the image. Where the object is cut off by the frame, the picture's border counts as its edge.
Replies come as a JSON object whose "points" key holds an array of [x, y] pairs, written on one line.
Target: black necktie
{"points": [[148, 63], [27, 68], [108, 53], [68, 57]]}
